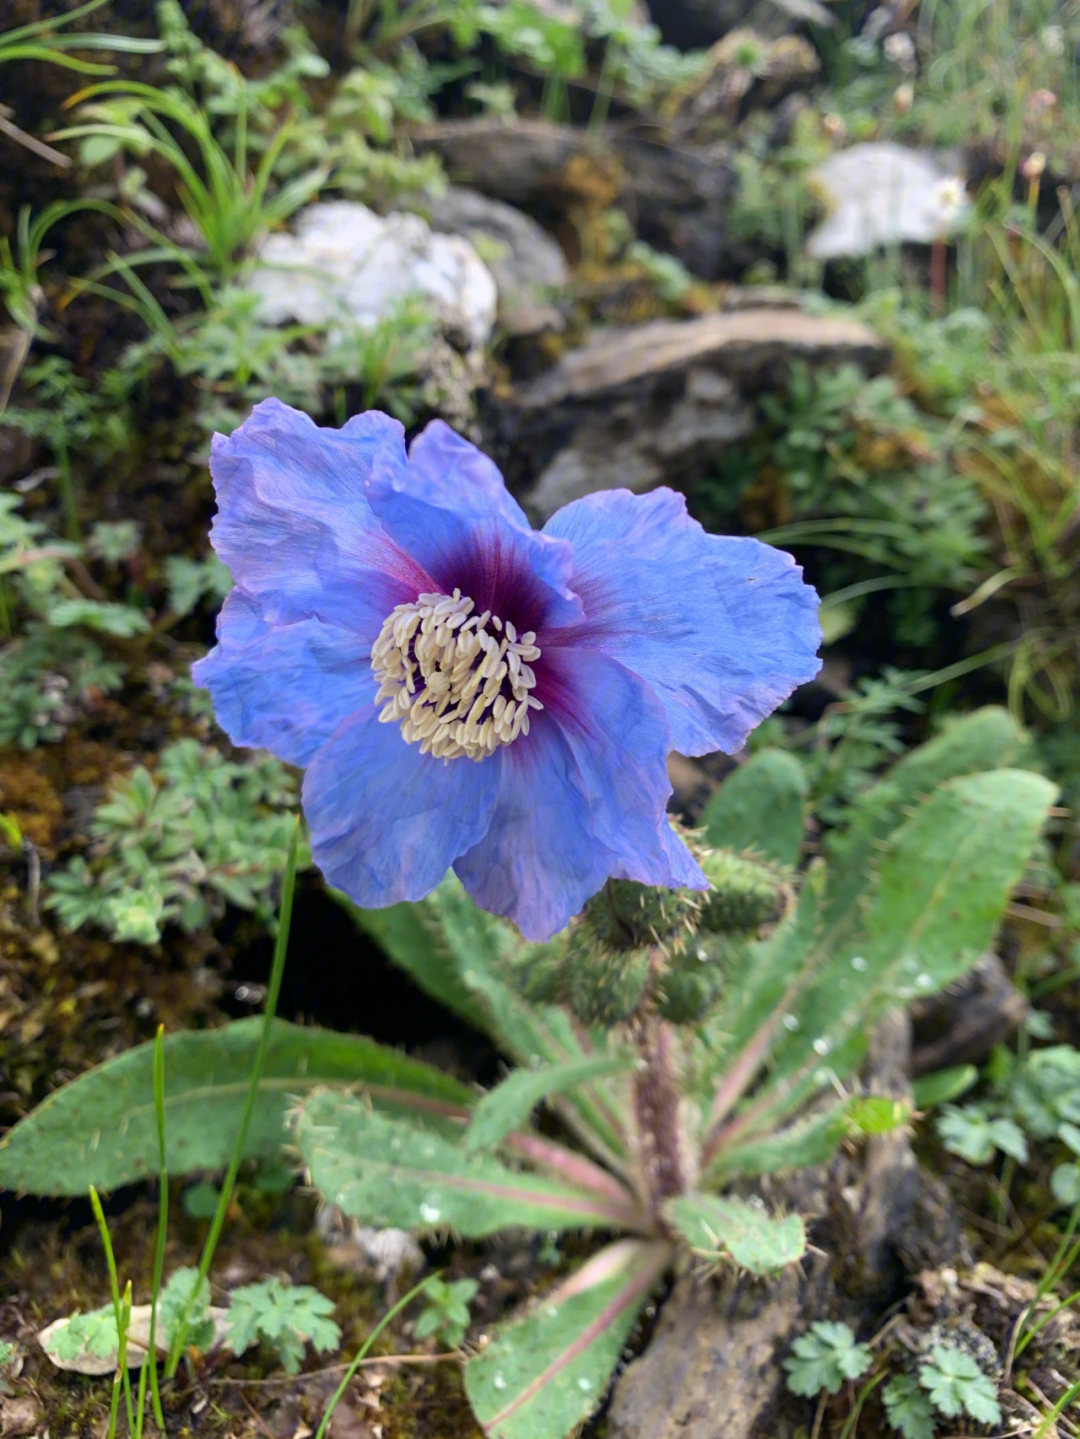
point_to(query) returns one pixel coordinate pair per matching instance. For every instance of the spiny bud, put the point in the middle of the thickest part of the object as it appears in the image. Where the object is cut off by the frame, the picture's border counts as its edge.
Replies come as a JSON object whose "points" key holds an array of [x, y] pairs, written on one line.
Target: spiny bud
{"points": [[605, 986], [746, 892], [694, 978], [627, 915]]}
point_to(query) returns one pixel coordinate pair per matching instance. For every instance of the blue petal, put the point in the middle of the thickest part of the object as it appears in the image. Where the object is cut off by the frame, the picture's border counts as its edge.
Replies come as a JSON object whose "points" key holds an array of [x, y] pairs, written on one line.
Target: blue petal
{"points": [[540, 860], [284, 688], [722, 628], [294, 526], [452, 530], [618, 733], [447, 470], [386, 821]]}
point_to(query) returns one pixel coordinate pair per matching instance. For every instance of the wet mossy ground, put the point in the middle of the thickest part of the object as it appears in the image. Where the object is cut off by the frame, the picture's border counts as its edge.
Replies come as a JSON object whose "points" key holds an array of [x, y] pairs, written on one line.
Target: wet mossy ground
{"points": [[55, 1265]]}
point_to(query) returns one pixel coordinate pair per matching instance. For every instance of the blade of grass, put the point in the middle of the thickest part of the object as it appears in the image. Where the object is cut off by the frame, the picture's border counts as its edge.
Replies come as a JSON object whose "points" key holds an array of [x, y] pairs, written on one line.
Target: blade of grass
{"points": [[361, 1353], [120, 1378], [114, 1286], [281, 944], [163, 1225]]}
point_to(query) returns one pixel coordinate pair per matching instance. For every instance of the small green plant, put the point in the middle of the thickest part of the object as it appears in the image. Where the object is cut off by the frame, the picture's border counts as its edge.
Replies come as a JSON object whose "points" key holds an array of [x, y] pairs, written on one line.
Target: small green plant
{"points": [[956, 1385], [192, 581], [49, 665], [285, 1317], [824, 1358], [173, 847], [947, 1383], [446, 1313], [909, 1408], [614, 1031]]}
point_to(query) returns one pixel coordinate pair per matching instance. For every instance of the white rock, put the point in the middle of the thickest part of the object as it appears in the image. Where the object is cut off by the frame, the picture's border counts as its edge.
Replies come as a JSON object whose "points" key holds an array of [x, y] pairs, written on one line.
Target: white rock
{"points": [[346, 264], [880, 194]]}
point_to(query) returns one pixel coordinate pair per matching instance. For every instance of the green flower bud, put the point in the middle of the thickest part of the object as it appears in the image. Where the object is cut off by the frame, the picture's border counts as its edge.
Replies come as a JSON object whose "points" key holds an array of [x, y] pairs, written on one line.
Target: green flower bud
{"points": [[605, 986], [746, 892], [627, 915]]}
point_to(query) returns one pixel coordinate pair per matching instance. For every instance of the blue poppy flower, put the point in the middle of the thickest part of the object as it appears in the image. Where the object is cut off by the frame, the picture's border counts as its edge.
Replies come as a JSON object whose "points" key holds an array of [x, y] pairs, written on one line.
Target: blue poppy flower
{"points": [[466, 691]]}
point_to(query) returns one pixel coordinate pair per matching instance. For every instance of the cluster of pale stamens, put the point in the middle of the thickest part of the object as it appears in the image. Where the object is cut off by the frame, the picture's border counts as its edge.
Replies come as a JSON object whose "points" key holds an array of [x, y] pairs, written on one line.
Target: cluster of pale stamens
{"points": [[457, 688]]}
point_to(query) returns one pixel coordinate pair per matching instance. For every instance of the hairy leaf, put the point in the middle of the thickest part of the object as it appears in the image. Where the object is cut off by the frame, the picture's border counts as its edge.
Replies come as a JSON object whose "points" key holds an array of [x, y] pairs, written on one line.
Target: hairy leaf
{"points": [[508, 1106], [458, 953], [745, 1232], [942, 886], [986, 740], [390, 1173], [101, 1130], [547, 1371], [760, 806]]}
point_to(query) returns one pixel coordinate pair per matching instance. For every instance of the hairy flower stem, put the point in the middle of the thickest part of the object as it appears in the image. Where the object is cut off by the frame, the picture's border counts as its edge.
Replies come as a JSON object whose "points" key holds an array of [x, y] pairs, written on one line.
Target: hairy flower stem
{"points": [[656, 1109]]}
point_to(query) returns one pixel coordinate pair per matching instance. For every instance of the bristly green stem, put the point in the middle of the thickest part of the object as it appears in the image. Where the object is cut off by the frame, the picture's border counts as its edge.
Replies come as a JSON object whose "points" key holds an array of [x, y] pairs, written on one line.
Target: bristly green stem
{"points": [[361, 1353], [114, 1286], [163, 1225], [281, 944]]}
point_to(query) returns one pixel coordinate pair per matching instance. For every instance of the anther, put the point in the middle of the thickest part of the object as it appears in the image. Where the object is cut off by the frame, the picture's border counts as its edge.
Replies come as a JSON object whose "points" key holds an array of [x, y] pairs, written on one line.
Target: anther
{"points": [[458, 688]]}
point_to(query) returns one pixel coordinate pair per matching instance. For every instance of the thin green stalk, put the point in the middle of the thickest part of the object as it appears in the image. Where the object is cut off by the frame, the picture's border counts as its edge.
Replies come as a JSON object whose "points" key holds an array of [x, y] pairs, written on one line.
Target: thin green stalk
{"points": [[281, 944], [114, 1286], [1023, 1343], [1062, 1262], [163, 1225], [1067, 1398], [853, 1418], [123, 1320], [362, 1352], [149, 1362]]}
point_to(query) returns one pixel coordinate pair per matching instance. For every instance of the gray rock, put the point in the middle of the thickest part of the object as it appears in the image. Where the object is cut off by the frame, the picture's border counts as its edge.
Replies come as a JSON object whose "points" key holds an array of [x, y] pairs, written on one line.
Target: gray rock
{"points": [[525, 262], [696, 24], [647, 405], [963, 1023], [677, 195]]}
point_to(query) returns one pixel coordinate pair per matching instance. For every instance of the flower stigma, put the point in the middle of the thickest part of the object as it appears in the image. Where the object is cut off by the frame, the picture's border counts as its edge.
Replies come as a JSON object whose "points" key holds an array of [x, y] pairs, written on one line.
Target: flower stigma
{"points": [[458, 682]]}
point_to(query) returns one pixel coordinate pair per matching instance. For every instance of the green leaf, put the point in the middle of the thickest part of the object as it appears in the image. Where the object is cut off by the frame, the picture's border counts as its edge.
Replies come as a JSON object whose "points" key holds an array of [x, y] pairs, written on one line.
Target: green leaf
{"points": [[908, 1408], [111, 619], [823, 1358], [284, 1316], [808, 1141], [744, 1231], [174, 1301], [974, 1135], [545, 1373], [877, 1114], [508, 1106], [760, 806], [986, 740], [458, 952], [956, 1384], [1065, 1184], [943, 1085], [86, 1334], [388, 1172], [942, 886], [101, 1130], [412, 936]]}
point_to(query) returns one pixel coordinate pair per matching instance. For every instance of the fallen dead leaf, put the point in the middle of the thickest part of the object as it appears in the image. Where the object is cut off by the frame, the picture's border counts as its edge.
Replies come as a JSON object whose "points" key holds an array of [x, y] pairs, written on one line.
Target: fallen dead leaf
{"points": [[20, 1416]]}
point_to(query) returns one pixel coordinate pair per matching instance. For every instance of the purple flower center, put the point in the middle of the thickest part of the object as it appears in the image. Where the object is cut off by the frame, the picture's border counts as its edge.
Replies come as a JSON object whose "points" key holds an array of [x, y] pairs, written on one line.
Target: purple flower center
{"points": [[457, 682]]}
